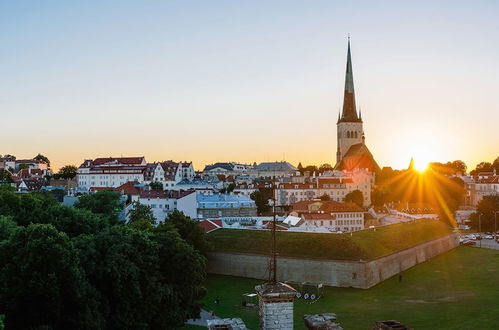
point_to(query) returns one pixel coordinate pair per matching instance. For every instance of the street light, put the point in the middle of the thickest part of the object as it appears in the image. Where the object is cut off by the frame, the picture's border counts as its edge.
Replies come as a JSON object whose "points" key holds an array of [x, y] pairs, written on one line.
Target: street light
{"points": [[480, 227], [495, 218]]}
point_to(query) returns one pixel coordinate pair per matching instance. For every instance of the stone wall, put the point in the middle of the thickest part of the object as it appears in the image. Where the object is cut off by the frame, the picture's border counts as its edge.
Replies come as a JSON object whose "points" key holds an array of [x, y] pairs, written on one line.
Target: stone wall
{"points": [[358, 274]]}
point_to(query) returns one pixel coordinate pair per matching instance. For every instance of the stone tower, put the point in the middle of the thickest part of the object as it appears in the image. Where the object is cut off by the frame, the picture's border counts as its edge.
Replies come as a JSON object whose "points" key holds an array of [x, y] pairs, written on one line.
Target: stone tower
{"points": [[349, 125], [276, 306]]}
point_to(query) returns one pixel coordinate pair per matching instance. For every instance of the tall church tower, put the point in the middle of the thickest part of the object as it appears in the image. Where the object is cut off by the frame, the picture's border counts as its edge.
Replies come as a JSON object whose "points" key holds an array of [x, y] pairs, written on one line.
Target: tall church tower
{"points": [[349, 125]]}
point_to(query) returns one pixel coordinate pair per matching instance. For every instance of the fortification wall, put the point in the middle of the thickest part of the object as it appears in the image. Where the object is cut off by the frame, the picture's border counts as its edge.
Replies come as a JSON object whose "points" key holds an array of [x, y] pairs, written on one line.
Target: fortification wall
{"points": [[357, 274]]}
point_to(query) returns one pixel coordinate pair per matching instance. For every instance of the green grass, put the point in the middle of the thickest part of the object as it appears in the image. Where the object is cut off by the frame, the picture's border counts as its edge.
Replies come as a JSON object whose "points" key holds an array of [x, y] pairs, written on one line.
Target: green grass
{"points": [[457, 290], [365, 244]]}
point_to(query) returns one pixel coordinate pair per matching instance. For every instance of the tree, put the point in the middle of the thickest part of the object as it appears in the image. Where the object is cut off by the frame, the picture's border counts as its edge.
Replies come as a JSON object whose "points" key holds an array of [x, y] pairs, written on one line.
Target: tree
{"points": [[262, 204], [73, 221], [325, 197], [42, 283], [107, 203], [141, 274], [66, 172], [325, 168], [486, 208], [141, 213], [355, 197], [25, 208], [42, 158], [482, 167], [9, 157], [7, 227], [379, 196], [495, 165], [155, 185], [311, 169], [22, 167], [189, 230], [230, 187], [5, 176]]}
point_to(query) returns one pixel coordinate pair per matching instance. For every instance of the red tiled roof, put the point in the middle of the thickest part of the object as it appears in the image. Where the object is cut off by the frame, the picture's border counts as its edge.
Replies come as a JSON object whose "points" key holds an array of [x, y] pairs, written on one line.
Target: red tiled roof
{"points": [[128, 188], [122, 160], [209, 225], [317, 216]]}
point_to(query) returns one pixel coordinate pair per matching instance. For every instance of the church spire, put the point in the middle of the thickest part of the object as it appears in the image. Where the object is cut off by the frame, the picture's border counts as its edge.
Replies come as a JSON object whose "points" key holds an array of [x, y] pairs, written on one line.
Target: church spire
{"points": [[349, 113]]}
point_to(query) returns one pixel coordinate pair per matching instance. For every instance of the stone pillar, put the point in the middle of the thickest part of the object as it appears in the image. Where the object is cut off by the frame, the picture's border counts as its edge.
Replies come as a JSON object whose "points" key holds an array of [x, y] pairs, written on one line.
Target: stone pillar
{"points": [[276, 306]]}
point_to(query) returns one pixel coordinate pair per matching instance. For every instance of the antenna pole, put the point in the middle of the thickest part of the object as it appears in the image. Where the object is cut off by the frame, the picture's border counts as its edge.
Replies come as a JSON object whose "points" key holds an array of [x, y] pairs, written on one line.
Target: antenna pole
{"points": [[274, 252]]}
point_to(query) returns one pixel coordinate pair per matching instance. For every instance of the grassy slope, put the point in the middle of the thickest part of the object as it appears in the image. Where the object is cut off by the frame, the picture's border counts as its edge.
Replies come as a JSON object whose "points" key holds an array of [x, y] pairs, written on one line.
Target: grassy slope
{"points": [[457, 290], [365, 245]]}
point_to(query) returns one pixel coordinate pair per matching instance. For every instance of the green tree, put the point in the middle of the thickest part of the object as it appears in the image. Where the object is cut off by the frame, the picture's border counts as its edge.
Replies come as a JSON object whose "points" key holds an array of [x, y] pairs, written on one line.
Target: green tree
{"points": [[262, 204], [141, 213], [325, 167], [5, 176], [67, 172], [73, 221], [486, 208], [22, 167], [355, 197], [325, 197], [42, 283], [25, 208], [140, 274], [7, 227], [482, 167], [106, 203], [189, 230], [155, 185], [231, 187], [42, 158]]}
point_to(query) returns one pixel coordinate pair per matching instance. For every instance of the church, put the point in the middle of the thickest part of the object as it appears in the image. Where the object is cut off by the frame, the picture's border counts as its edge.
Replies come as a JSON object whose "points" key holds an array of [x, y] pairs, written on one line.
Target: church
{"points": [[352, 152]]}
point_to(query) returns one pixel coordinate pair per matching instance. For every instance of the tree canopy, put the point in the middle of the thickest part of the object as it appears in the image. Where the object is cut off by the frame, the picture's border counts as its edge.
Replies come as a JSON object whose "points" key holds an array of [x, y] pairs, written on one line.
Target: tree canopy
{"points": [[355, 197], [106, 203], [66, 172], [486, 208], [262, 204], [5, 176], [42, 158], [70, 268]]}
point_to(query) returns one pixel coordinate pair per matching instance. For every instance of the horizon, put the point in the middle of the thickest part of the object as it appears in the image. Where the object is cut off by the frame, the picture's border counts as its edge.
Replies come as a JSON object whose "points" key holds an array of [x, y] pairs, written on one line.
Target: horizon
{"points": [[260, 81]]}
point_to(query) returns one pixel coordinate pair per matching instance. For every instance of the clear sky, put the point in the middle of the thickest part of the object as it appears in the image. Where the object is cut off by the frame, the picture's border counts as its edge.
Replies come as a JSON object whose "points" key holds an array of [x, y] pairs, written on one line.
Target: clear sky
{"points": [[247, 80]]}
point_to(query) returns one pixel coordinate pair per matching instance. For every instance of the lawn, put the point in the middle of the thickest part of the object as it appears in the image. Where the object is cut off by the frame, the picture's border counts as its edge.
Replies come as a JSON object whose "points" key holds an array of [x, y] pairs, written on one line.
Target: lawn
{"points": [[365, 244], [456, 290]]}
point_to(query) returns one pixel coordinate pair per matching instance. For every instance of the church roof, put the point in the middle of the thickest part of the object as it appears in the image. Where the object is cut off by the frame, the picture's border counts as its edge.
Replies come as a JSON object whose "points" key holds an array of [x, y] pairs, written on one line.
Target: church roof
{"points": [[349, 113], [358, 156]]}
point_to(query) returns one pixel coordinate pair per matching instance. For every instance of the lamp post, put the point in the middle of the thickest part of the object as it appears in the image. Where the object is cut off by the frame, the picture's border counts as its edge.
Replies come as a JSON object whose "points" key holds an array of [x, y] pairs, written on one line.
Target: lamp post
{"points": [[495, 224], [480, 228]]}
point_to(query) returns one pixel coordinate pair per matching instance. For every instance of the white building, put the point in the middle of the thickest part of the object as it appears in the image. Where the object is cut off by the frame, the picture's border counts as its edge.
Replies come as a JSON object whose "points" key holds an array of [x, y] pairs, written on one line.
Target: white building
{"points": [[482, 184], [336, 186], [163, 203], [110, 172]]}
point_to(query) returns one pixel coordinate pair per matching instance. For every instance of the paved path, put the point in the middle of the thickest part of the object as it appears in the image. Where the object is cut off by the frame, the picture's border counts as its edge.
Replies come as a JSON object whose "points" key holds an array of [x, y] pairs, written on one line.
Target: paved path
{"points": [[204, 316]]}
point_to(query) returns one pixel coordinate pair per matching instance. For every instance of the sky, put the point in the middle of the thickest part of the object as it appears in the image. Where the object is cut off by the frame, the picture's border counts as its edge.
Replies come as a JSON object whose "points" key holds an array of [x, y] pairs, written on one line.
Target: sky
{"points": [[246, 81]]}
